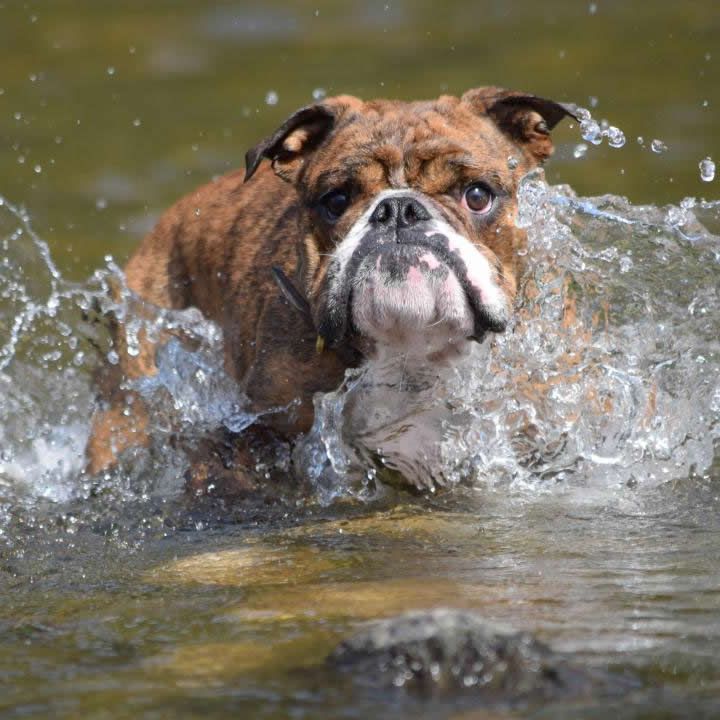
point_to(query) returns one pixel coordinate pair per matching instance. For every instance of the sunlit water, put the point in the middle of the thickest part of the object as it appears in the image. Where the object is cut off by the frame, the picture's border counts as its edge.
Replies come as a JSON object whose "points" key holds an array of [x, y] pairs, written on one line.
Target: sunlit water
{"points": [[571, 489]]}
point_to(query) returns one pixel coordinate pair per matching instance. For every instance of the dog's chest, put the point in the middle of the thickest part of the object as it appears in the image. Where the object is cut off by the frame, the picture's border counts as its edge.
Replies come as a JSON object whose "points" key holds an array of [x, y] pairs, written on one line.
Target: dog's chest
{"points": [[397, 411]]}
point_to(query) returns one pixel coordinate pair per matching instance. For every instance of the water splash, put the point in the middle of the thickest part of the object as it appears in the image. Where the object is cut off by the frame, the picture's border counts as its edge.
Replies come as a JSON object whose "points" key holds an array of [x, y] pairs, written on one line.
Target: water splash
{"points": [[610, 376], [596, 131], [55, 335]]}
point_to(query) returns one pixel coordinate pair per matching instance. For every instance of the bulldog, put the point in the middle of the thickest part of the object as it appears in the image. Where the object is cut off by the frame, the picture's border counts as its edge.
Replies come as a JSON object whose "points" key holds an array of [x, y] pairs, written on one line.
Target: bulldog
{"points": [[377, 230]]}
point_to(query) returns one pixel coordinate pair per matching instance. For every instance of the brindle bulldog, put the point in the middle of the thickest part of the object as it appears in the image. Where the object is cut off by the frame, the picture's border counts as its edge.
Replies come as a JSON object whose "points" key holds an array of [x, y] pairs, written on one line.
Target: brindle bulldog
{"points": [[378, 229]]}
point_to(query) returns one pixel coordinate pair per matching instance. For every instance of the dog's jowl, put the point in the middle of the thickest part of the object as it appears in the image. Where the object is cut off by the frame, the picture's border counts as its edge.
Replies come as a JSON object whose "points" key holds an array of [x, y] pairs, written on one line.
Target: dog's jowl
{"points": [[357, 233]]}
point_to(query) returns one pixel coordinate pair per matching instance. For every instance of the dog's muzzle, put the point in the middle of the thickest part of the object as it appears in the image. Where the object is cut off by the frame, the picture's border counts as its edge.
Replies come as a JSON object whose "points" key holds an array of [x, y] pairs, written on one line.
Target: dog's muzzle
{"points": [[403, 272]]}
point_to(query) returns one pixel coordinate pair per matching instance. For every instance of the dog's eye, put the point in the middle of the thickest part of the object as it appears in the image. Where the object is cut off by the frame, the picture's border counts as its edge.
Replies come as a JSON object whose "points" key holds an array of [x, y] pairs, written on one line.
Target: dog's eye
{"points": [[335, 203], [478, 198]]}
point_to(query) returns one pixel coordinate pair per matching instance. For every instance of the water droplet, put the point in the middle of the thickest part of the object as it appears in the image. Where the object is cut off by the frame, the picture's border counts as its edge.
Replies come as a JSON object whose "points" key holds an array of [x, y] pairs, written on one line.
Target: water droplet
{"points": [[593, 101], [132, 50], [21, 159], [658, 146], [592, 9], [137, 122], [58, 139], [197, 212], [580, 150], [705, 103], [113, 358], [708, 56], [33, 77], [101, 203], [590, 131], [38, 169], [2, 91], [512, 162], [319, 94], [615, 136], [111, 70], [271, 98], [640, 140], [707, 169], [18, 116]]}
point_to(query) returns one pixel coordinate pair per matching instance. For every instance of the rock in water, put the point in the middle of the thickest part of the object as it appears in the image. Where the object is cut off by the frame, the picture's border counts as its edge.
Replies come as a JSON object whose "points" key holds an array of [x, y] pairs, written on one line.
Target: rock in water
{"points": [[446, 651]]}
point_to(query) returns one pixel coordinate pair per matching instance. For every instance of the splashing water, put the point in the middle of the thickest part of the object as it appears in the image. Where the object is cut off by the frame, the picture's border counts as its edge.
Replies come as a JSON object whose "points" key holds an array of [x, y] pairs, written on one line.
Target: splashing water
{"points": [[610, 375], [595, 132], [54, 337]]}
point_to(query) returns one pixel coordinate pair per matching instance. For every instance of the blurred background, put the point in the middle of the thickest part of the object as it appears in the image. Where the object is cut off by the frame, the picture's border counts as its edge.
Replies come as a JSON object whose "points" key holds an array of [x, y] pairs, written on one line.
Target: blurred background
{"points": [[111, 111]]}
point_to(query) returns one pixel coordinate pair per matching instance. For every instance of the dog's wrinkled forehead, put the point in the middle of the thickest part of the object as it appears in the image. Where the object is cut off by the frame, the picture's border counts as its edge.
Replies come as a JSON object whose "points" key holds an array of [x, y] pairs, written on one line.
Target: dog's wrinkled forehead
{"points": [[412, 145], [344, 134]]}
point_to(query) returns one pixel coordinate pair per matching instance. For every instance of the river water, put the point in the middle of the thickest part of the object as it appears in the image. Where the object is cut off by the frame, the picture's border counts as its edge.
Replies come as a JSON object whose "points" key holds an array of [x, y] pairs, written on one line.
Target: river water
{"points": [[580, 492], [579, 501]]}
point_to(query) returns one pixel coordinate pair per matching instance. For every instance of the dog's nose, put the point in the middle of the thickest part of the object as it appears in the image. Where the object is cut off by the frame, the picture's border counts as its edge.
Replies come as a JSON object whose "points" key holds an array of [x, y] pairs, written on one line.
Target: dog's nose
{"points": [[399, 211]]}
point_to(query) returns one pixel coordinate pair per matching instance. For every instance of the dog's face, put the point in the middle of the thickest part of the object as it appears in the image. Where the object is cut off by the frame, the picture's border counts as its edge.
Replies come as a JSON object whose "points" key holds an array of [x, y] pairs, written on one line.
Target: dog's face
{"points": [[408, 212]]}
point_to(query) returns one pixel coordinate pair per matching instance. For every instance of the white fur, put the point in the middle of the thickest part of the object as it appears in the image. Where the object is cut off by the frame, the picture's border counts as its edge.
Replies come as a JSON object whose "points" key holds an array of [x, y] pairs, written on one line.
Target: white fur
{"points": [[480, 274]]}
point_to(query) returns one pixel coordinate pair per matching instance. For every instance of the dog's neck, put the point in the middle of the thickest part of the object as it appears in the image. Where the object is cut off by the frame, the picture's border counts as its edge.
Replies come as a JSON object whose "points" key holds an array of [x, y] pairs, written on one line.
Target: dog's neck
{"points": [[396, 409]]}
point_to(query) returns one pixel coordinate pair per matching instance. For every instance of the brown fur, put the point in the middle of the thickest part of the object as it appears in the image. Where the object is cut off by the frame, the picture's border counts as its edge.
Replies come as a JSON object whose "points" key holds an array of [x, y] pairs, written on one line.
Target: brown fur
{"points": [[214, 248]]}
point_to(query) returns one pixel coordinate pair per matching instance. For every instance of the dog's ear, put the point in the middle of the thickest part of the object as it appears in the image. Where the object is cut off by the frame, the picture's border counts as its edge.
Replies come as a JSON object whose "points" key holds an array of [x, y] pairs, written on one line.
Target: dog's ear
{"points": [[298, 136], [527, 119]]}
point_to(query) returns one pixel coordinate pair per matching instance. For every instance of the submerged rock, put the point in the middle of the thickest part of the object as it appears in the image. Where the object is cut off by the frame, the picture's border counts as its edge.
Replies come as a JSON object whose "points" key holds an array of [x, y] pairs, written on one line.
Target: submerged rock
{"points": [[450, 651]]}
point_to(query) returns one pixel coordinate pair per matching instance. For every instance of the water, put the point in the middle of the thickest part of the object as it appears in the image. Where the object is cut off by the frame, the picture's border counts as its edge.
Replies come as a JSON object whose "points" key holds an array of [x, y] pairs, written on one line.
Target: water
{"points": [[611, 375], [577, 453], [707, 169], [658, 146], [595, 132]]}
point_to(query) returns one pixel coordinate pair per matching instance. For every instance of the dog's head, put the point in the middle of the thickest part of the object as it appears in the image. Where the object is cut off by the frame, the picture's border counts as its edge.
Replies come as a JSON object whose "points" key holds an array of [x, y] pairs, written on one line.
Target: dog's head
{"points": [[408, 233]]}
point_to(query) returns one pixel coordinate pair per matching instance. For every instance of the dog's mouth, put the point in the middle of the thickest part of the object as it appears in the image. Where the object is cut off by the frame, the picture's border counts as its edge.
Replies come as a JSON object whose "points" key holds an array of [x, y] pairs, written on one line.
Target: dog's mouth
{"points": [[422, 286]]}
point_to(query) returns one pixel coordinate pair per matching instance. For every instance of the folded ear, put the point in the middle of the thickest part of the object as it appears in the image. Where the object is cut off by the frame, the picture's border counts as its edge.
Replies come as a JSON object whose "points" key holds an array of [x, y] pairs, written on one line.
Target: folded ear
{"points": [[527, 119], [303, 132]]}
